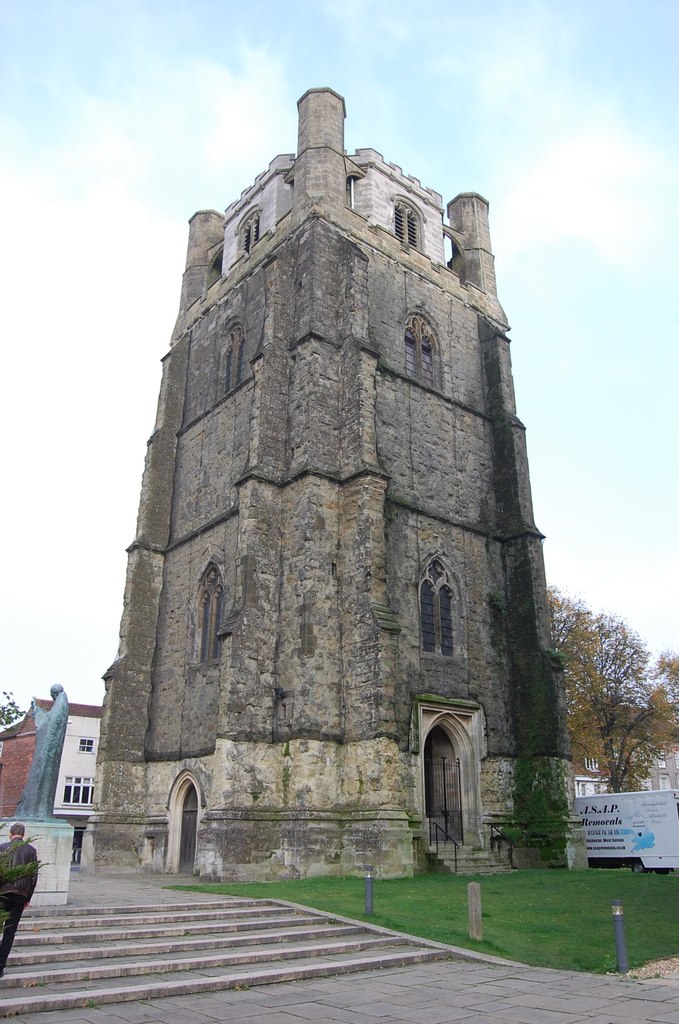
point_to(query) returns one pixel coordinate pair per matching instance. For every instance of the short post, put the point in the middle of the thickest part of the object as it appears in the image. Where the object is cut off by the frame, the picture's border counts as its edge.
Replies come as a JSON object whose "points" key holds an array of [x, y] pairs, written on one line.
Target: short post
{"points": [[619, 932], [474, 909], [368, 889]]}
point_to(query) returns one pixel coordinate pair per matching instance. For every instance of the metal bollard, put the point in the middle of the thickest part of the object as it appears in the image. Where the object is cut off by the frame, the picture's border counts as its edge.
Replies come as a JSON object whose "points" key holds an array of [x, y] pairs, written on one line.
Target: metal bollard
{"points": [[619, 932], [368, 889]]}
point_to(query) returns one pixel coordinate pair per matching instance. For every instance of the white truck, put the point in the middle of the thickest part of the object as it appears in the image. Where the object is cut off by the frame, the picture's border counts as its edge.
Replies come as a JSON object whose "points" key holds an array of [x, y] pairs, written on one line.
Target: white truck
{"points": [[637, 830]]}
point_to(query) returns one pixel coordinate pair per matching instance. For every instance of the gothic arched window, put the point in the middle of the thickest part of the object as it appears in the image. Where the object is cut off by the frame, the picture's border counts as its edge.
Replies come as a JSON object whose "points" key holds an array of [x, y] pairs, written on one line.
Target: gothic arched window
{"points": [[436, 610], [419, 344], [210, 607], [249, 232], [235, 358], [406, 225]]}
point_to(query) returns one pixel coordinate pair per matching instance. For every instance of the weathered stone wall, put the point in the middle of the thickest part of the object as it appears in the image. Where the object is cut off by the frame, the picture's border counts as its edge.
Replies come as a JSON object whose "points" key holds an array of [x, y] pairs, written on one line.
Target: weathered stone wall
{"points": [[321, 486], [270, 195], [383, 183]]}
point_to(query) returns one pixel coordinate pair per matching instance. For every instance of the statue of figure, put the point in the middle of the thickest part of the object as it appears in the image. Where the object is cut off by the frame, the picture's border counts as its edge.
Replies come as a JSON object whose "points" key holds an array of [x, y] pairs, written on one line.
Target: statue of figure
{"points": [[37, 799]]}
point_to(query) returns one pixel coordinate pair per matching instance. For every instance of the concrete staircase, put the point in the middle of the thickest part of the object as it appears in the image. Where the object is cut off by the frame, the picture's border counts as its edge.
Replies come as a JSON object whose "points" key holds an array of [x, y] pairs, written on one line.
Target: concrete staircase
{"points": [[69, 957]]}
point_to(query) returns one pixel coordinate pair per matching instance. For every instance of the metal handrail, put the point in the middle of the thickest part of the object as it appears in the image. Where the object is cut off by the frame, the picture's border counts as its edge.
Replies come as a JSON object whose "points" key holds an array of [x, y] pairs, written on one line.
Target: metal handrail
{"points": [[497, 836], [447, 838]]}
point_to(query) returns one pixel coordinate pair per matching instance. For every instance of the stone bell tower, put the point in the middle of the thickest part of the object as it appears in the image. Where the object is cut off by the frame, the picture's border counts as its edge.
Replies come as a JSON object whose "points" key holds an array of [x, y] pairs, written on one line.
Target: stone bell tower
{"points": [[334, 638]]}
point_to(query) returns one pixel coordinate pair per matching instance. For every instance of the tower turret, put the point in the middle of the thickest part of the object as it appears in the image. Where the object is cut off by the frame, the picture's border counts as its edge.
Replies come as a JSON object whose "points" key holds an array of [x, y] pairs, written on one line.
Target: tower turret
{"points": [[319, 171]]}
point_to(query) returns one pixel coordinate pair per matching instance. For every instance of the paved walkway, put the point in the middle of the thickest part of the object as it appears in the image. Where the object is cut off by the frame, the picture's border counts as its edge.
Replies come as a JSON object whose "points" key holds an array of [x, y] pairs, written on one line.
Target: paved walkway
{"points": [[482, 992]]}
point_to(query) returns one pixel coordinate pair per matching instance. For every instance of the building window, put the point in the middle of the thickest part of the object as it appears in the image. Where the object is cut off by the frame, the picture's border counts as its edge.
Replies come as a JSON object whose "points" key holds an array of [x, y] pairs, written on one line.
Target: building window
{"points": [[235, 359], [351, 191], [591, 764], [78, 790], [664, 782], [662, 763], [676, 758], [406, 225], [210, 605], [436, 611], [419, 346], [249, 232], [86, 746]]}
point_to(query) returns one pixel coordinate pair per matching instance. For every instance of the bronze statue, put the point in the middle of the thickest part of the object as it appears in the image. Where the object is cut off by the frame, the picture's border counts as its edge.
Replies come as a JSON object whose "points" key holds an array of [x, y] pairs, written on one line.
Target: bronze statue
{"points": [[37, 799]]}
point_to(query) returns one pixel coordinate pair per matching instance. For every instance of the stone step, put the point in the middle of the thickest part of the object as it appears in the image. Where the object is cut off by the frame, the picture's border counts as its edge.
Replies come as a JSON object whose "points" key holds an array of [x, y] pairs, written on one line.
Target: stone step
{"points": [[14, 1003], [151, 964], [39, 937], [150, 908], [151, 915], [56, 966], [112, 950], [469, 861]]}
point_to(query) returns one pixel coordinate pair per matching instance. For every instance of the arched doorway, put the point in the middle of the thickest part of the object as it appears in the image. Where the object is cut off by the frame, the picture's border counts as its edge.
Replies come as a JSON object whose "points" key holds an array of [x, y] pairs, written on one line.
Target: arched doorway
{"points": [[442, 786], [184, 814], [189, 829]]}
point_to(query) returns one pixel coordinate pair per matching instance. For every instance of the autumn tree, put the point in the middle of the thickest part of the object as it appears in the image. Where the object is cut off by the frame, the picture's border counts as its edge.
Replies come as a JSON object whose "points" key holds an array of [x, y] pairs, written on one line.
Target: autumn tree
{"points": [[666, 671], [621, 709]]}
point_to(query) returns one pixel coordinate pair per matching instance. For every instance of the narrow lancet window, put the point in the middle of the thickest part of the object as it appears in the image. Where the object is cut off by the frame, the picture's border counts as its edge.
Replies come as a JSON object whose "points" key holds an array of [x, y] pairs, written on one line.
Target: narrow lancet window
{"points": [[234, 362], [436, 611], [419, 346], [210, 607]]}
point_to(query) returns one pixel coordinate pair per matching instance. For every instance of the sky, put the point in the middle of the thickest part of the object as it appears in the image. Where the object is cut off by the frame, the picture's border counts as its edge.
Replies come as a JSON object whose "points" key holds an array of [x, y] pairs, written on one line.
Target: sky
{"points": [[118, 121]]}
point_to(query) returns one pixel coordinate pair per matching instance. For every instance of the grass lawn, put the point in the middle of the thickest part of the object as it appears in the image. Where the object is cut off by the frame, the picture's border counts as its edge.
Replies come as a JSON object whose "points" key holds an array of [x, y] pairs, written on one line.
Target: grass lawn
{"points": [[546, 918]]}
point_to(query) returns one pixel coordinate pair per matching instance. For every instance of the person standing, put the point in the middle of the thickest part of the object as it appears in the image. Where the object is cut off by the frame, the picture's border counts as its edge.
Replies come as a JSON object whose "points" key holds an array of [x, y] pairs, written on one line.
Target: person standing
{"points": [[15, 895]]}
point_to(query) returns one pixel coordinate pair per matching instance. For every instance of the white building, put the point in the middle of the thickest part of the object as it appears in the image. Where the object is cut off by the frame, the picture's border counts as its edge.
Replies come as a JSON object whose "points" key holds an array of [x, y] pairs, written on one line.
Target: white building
{"points": [[75, 788]]}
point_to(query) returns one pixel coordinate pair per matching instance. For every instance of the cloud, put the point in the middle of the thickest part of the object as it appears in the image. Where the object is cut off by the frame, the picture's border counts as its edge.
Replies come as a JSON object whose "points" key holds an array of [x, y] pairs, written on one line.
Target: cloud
{"points": [[582, 566], [95, 229], [590, 188], [93, 285], [167, 126]]}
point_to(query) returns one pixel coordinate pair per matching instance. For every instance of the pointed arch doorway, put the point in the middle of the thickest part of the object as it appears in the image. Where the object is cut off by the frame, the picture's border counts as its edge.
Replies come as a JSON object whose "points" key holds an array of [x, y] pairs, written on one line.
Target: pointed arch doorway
{"points": [[189, 831], [452, 729], [443, 785], [184, 808]]}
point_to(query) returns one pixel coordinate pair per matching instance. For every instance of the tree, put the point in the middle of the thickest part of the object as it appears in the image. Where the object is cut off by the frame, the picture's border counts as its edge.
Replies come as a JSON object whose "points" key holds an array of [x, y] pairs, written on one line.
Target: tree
{"points": [[9, 710], [666, 671], [621, 710]]}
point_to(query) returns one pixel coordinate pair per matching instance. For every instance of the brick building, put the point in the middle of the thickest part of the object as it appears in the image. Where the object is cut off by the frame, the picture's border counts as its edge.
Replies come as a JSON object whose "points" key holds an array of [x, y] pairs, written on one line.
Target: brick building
{"points": [[335, 640], [17, 744], [590, 777]]}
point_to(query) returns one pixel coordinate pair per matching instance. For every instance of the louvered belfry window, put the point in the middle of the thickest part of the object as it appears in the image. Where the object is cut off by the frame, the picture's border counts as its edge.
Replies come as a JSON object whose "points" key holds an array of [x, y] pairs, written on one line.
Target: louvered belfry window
{"points": [[406, 225], [250, 232]]}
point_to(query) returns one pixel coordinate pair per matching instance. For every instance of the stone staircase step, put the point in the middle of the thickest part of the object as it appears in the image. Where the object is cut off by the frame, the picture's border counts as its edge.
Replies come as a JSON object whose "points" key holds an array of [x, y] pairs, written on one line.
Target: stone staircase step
{"points": [[61, 961], [469, 861], [39, 937], [14, 1004], [103, 951], [62, 913], [150, 915], [152, 965]]}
